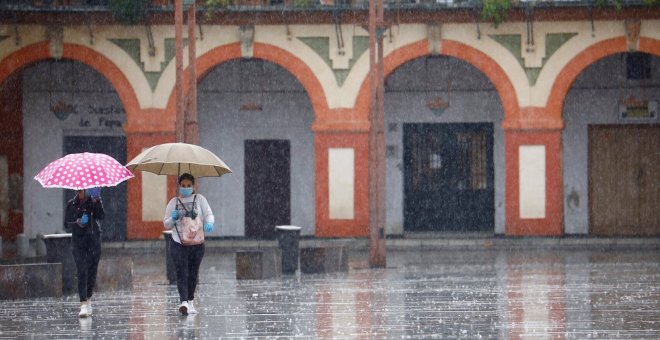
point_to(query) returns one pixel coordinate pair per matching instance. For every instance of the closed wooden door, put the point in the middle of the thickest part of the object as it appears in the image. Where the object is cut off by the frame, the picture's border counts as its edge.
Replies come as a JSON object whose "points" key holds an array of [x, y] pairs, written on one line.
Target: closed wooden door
{"points": [[267, 187], [624, 162]]}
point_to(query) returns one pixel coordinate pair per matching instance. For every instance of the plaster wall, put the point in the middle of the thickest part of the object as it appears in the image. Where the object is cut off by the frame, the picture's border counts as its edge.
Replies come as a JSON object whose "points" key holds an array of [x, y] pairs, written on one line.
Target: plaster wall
{"points": [[46, 84], [594, 99], [223, 128]]}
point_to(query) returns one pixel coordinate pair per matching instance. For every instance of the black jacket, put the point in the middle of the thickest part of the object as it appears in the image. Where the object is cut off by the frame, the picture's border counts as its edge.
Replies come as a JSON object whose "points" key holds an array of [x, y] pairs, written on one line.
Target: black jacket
{"points": [[75, 210]]}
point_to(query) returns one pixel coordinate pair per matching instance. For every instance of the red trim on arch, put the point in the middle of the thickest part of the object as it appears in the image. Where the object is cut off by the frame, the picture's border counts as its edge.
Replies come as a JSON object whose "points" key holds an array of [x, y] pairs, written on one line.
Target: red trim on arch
{"points": [[40, 51], [573, 68], [584, 59], [274, 54], [474, 57]]}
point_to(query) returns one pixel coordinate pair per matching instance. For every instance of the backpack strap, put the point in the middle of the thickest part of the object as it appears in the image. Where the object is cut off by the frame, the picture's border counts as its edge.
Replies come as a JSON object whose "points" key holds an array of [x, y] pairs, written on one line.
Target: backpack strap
{"points": [[175, 223], [184, 206]]}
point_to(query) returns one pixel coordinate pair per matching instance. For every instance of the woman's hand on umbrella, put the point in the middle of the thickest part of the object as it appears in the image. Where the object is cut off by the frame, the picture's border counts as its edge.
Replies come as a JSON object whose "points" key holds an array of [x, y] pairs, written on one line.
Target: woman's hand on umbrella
{"points": [[208, 227], [175, 215], [84, 219]]}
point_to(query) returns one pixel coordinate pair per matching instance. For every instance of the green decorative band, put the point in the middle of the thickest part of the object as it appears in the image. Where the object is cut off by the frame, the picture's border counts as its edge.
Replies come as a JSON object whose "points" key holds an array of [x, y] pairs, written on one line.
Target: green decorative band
{"points": [[132, 48], [513, 43], [321, 45]]}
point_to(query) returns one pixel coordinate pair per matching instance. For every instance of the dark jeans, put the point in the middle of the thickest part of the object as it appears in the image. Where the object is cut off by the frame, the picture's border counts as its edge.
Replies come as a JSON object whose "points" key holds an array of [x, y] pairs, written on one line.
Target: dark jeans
{"points": [[86, 251], [186, 260]]}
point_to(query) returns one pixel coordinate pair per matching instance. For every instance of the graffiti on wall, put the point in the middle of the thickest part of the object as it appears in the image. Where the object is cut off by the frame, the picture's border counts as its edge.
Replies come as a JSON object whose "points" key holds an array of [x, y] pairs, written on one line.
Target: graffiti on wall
{"points": [[90, 115]]}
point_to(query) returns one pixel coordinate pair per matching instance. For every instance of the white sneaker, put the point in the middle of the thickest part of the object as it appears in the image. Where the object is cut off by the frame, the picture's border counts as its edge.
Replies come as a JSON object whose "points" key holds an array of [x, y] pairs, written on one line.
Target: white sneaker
{"points": [[89, 306], [84, 310], [183, 308], [191, 308]]}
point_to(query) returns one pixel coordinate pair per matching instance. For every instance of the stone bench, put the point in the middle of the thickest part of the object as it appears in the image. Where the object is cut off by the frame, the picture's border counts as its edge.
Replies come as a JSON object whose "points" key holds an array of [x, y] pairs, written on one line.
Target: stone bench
{"points": [[323, 259], [33, 280], [257, 264]]}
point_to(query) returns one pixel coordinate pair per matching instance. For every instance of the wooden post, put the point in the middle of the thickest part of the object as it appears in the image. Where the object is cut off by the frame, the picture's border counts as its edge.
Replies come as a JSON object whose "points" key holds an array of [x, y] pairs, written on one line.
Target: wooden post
{"points": [[178, 41], [377, 251], [191, 134]]}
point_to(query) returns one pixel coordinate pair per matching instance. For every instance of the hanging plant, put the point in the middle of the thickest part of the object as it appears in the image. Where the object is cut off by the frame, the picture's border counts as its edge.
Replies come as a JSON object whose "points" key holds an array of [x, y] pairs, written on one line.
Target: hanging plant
{"points": [[495, 10], [302, 3], [218, 3], [128, 12]]}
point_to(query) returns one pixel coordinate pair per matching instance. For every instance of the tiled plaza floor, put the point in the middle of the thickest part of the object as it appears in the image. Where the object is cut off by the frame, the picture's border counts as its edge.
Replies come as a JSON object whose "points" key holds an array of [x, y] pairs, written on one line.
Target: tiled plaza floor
{"points": [[471, 294]]}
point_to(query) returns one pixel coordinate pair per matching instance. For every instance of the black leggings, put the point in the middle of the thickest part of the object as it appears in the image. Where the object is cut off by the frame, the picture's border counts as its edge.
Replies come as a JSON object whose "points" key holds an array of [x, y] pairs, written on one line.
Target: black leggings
{"points": [[86, 251], [186, 260]]}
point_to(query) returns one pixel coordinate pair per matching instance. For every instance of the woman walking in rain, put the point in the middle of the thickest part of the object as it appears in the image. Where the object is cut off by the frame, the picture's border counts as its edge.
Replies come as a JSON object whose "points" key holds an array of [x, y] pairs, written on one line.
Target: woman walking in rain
{"points": [[83, 213], [185, 213]]}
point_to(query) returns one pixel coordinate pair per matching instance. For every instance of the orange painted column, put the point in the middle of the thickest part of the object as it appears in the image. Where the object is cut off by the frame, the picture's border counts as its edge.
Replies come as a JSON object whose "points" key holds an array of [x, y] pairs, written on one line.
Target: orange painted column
{"points": [[338, 134], [139, 135], [531, 127]]}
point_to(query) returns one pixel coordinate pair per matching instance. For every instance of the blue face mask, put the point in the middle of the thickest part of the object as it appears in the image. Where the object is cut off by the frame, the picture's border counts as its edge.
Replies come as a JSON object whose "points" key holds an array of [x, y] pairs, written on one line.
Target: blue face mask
{"points": [[185, 192], [93, 192]]}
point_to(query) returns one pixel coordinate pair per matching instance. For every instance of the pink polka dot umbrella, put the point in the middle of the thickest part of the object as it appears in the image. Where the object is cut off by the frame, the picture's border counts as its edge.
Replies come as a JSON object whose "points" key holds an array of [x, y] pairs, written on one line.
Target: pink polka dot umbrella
{"points": [[86, 170]]}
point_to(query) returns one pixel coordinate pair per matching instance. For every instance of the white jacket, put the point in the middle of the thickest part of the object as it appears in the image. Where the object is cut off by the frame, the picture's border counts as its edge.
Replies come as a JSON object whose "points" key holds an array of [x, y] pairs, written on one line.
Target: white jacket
{"points": [[201, 208]]}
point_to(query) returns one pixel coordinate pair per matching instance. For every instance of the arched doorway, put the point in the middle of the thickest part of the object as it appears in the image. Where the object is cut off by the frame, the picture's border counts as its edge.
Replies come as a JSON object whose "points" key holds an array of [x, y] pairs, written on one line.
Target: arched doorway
{"points": [[610, 147], [68, 107], [444, 148], [257, 117]]}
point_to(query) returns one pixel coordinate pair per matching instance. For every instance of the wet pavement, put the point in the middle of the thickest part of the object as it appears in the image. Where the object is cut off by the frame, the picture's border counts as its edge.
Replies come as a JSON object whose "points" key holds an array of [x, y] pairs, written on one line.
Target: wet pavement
{"points": [[471, 294]]}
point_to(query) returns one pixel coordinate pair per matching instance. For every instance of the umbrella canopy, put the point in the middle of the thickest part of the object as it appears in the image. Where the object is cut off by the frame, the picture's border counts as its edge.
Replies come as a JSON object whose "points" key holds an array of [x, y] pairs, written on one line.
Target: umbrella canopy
{"points": [[179, 158], [80, 171]]}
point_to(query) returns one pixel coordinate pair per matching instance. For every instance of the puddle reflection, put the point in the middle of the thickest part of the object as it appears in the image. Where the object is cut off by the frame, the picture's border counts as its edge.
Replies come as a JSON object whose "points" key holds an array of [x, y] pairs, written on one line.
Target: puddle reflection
{"points": [[451, 294]]}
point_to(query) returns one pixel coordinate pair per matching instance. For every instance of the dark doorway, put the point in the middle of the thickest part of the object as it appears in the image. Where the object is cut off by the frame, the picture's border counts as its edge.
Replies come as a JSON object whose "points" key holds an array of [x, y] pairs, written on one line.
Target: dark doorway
{"points": [[114, 198], [267, 187], [448, 183]]}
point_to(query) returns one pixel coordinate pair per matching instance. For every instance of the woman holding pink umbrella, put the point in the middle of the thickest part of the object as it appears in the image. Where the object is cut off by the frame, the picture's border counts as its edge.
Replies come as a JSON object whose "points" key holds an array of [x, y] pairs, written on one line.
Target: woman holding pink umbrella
{"points": [[86, 173], [82, 216]]}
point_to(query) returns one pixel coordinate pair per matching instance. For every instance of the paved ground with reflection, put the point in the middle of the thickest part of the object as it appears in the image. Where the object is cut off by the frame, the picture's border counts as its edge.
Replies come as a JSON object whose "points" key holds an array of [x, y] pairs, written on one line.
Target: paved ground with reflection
{"points": [[605, 293]]}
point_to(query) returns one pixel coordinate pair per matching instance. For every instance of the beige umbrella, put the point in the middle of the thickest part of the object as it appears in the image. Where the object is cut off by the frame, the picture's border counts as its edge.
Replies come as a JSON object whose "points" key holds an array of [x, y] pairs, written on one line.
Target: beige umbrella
{"points": [[179, 158]]}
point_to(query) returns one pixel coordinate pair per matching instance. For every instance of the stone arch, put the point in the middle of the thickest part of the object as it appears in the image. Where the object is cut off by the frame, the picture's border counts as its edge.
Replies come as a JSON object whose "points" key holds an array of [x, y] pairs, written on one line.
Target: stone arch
{"points": [[451, 48], [100, 63], [588, 56], [267, 52]]}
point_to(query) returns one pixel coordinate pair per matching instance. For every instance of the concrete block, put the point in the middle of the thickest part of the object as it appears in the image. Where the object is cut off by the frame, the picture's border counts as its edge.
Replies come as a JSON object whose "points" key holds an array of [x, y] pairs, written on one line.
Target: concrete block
{"points": [[22, 246], [40, 246], [28, 281], [169, 263], [58, 250], [114, 274], [325, 259], [258, 264]]}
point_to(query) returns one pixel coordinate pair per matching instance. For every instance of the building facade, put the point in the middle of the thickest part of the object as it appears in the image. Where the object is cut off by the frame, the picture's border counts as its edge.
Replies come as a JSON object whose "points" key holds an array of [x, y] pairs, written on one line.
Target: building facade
{"points": [[544, 125]]}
